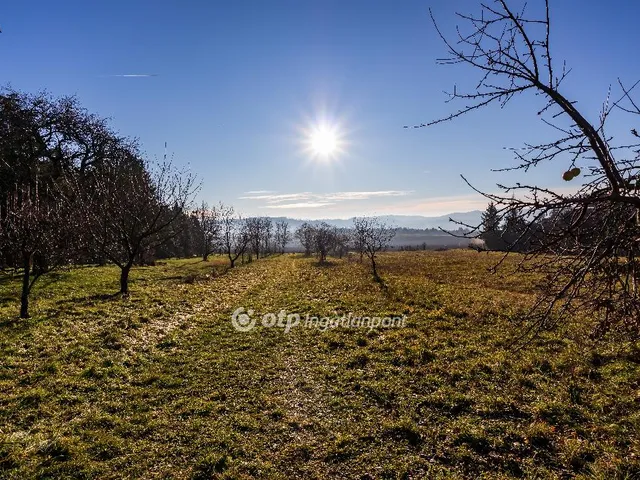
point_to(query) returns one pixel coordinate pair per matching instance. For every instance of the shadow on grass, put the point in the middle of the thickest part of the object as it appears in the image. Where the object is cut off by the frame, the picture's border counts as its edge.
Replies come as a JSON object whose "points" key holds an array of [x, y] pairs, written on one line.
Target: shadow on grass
{"points": [[45, 279], [325, 264], [216, 271], [381, 283], [90, 298], [172, 277], [15, 324], [189, 262], [8, 278]]}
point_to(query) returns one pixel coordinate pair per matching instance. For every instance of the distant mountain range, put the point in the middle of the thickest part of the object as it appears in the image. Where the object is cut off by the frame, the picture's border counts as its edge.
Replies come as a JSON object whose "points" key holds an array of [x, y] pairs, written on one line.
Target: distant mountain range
{"points": [[418, 222]]}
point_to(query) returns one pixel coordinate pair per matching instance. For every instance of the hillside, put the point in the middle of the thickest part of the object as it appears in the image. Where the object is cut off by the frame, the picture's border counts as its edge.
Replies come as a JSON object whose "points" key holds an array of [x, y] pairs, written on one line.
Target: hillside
{"points": [[417, 222]]}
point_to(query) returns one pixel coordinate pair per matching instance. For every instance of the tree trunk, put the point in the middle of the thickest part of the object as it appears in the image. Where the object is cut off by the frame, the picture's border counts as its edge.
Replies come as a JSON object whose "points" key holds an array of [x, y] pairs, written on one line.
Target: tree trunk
{"points": [[232, 261], [24, 298], [124, 279], [205, 257], [373, 268]]}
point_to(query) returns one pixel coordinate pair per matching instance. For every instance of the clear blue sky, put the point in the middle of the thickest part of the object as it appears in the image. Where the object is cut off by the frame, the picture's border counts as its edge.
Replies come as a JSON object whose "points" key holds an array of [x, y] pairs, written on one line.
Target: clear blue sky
{"points": [[239, 83]]}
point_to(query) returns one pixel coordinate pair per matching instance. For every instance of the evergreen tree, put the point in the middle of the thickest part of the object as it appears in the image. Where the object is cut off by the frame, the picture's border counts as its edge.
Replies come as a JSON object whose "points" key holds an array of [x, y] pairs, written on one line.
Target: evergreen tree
{"points": [[490, 219], [515, 231], [491, 233]]}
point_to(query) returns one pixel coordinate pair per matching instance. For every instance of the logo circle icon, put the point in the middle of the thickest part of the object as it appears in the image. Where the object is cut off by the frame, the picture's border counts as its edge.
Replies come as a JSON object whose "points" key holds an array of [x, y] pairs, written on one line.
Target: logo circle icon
{"points": [[242, 322]]}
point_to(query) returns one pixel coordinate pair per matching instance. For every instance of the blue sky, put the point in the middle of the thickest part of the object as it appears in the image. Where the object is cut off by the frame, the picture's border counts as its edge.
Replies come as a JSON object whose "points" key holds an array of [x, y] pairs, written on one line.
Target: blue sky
{"points": [[240, 84]]}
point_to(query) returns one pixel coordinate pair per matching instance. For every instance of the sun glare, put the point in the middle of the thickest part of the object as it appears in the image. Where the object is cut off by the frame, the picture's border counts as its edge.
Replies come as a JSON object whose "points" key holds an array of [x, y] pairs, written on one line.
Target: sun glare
{"points": [[324, 142]]}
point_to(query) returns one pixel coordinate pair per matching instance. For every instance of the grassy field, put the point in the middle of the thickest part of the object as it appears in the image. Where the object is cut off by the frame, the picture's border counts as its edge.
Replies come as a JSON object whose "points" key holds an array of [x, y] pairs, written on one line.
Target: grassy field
{"points": [[160, 385]]}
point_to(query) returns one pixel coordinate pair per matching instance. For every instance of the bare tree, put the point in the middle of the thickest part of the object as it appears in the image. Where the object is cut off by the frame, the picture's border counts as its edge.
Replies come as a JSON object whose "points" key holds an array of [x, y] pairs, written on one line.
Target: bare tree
{"points": [[586, 243], [259, 230], [341, 242], [40, 149], [234, 234], [266, 235], [131, 207], [282, 235], [209, 226], [38, 231], [374, 235], [304, 234], [324, 238], [358, 245]]}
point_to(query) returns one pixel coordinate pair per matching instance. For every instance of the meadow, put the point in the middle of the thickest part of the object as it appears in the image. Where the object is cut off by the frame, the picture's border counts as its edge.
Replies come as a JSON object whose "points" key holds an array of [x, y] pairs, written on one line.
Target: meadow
{"points": [[159, 384]]}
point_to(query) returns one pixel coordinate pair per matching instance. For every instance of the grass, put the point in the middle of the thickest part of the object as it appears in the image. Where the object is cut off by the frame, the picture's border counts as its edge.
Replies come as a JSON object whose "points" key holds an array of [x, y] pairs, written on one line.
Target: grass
{"points": [[160, 385]]}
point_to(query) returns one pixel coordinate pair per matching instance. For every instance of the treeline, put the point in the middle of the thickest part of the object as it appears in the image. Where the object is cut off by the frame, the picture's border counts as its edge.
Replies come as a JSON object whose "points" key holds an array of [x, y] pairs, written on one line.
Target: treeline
{"points": [[510, 231], [505, 231], [74, 191], [557, 231], [432, 231], [368, 237], [221, 230]]}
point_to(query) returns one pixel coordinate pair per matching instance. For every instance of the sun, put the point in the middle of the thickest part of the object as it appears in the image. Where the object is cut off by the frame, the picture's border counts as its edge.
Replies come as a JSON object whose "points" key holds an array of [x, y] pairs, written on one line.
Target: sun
{"points": [[323, 141]]}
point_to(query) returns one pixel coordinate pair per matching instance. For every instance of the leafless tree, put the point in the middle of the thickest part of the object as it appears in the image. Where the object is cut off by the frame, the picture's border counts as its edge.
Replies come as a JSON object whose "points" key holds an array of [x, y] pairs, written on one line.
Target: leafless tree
{"points": [[38, 231], [234, 234], [585, 243], [266, 235], [209, 226], [324, 239], [40, 150], [304, 234], [342, 242], [253, 228], [282, 235], [374, 235], [131, 207], [358, 245], [259, 230]]}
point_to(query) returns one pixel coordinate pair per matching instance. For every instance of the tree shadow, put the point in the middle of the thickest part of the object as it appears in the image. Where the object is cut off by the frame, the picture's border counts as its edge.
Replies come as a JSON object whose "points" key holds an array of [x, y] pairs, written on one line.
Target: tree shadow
{"points": [[325, 264], [15, 324], [8, 278], [381, 283], [89, 298], [172, 277]]}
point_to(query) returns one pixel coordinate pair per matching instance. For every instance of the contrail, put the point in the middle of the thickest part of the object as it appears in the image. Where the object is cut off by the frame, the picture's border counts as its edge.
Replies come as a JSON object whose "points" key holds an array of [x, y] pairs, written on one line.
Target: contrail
{"points": [[132, 75]]}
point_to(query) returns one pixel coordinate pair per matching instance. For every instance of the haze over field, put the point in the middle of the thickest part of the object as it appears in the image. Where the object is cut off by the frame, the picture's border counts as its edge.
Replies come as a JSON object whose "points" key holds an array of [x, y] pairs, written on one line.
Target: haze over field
{"points": [[402, 221]]}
